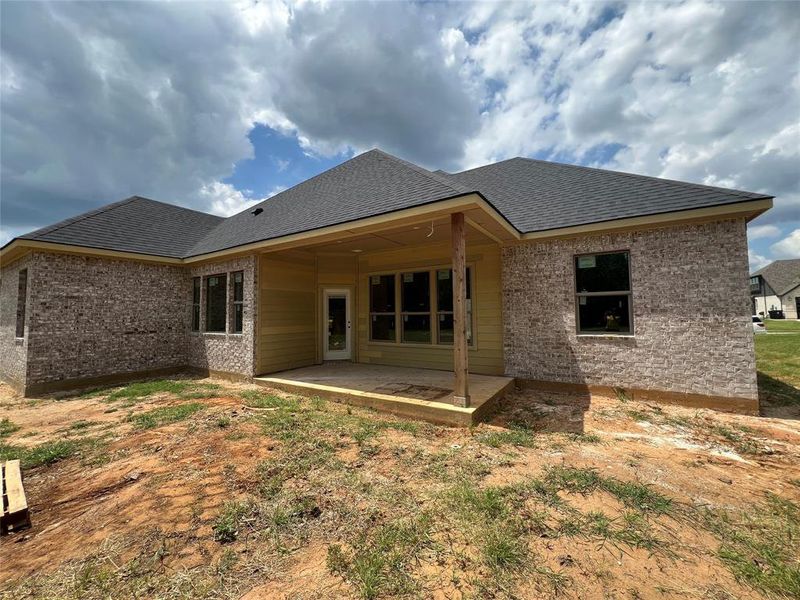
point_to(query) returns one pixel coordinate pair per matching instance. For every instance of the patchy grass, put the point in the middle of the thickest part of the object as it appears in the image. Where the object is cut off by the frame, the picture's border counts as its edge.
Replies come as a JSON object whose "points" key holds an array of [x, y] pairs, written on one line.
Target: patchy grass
{"points": [[379, 560], [632, 494], [406, 509], [82, 425], [515, 435], [259, 399], [43, 454], [140, 390], [165, 415], [7, 427], [226, 525], [761, 546]]}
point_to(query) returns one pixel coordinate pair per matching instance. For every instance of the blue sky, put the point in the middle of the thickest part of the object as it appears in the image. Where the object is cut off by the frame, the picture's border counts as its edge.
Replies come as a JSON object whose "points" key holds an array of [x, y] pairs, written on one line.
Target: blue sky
{"points": [[219, 105]]}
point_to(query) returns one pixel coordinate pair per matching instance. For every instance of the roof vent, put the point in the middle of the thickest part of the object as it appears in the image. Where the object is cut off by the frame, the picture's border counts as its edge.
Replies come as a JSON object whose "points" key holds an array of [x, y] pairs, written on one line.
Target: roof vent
{"points": [[257, 211]]}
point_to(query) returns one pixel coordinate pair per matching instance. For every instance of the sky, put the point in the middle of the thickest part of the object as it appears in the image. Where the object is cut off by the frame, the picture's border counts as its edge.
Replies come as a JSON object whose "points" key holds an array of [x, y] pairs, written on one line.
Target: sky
{"points": [[216, 106]]}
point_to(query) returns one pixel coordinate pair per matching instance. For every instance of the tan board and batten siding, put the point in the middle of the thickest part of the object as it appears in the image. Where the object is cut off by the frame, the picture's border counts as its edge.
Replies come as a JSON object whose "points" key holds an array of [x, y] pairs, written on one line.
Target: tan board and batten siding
{"points": [[287, 303], [290, 305], [486, 355]]}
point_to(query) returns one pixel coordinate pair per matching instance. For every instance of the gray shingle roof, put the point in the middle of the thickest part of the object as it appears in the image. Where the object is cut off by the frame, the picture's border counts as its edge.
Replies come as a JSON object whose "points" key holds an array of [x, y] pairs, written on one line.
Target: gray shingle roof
{"points": [[532, 195], [536, 195], [370, 184], [781, 275], [132, 225]]}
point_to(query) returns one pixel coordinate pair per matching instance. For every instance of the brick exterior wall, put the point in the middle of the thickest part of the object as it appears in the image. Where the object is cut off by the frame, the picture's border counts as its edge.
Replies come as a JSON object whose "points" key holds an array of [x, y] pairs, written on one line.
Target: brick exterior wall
{"points": [[691, 312], [13, 351], [92, 317], [228, 352]]}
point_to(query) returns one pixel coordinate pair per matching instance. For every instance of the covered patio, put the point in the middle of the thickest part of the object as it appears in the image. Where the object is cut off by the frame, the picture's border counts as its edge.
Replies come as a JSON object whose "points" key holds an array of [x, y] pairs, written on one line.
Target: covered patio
{"points": [[403, 314], [408, 392]]}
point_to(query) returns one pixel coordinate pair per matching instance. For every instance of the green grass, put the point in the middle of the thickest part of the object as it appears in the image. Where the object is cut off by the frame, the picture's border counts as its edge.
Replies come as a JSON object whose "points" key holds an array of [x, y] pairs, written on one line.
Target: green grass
{"points": [[515, 435], [782, 325], [380, 558], [7, 427], [259, 399], [43, 454], [165, 415], [778, 357], [632, 494], [183, 388], [226, 525], [502, 549], [762, 545], [81, 425]]}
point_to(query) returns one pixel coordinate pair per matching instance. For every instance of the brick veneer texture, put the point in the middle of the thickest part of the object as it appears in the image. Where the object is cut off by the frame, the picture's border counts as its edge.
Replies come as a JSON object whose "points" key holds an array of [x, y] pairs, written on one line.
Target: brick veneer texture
{"points": [[92, 317], [228, 352], [691, 311], [13, 351]]}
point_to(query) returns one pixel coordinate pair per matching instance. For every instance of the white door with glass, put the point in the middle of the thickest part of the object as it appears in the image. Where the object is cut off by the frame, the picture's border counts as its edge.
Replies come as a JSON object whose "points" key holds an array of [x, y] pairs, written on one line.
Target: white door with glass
{"points": [[336, 321]]}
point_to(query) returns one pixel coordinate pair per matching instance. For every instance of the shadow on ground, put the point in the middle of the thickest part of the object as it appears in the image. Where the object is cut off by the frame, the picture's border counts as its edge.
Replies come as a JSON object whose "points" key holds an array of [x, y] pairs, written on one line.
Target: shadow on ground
{"points": [[778, 399], [553, 412]]}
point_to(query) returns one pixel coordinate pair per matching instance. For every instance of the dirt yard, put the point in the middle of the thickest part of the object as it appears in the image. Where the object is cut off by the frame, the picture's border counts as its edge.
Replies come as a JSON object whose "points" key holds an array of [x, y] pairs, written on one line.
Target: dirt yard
{"points": [[187, 488]]}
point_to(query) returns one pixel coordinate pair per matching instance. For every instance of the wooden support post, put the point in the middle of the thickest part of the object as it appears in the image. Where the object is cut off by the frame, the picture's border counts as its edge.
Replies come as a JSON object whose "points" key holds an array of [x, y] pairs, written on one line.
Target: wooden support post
{"points": [[460, 366]]}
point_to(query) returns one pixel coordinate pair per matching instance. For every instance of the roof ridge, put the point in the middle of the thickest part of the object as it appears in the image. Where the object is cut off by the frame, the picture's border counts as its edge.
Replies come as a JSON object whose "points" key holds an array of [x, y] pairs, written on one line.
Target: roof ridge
{"points": [[312, 178], [453, 185], [638, 176], [77, 218], [171, 205]]}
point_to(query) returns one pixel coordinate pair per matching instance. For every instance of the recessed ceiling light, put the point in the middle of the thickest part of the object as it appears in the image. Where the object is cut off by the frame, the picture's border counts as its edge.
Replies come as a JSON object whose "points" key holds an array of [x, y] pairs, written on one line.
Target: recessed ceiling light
{"points": [[357, 250]]}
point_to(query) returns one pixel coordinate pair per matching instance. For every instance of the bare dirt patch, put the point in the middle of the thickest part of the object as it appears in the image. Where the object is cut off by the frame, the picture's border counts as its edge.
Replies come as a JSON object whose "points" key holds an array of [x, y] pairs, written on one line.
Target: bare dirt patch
{"points": [[260, 494]]}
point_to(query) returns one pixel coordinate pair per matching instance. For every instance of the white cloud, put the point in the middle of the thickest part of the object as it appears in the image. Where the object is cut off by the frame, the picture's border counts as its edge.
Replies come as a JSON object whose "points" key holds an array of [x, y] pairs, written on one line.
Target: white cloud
{"points": [[757, 261], [757, 232], [705, 92], [101, 101], [104, 101], [788, 247], [225, 200]]}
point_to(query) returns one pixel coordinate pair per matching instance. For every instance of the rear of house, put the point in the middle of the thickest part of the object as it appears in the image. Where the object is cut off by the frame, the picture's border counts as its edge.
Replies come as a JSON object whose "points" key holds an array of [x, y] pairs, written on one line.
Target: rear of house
{"points": [[557, 276]]}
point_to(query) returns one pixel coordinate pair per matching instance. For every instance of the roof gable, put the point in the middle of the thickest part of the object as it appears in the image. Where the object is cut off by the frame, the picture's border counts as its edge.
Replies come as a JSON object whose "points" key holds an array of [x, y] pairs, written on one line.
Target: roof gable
{"points": [[781, 275], [367, 185], [531, 195], [536, 195], [135, 224]]}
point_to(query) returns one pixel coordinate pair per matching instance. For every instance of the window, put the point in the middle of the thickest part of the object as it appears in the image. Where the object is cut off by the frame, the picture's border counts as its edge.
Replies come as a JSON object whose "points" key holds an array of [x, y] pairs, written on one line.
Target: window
{"points": [[444, 306], [755, 284], [415, 299], [406, 301], [22, 297], [238, 300], [216, 303], [383, 321], [196, 304], [603, 293]]}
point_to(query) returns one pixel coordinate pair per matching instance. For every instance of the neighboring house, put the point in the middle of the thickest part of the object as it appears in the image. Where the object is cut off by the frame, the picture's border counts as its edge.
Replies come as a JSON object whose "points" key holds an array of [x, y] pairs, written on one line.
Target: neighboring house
{"points": [[777, 287], [565, 277]]}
